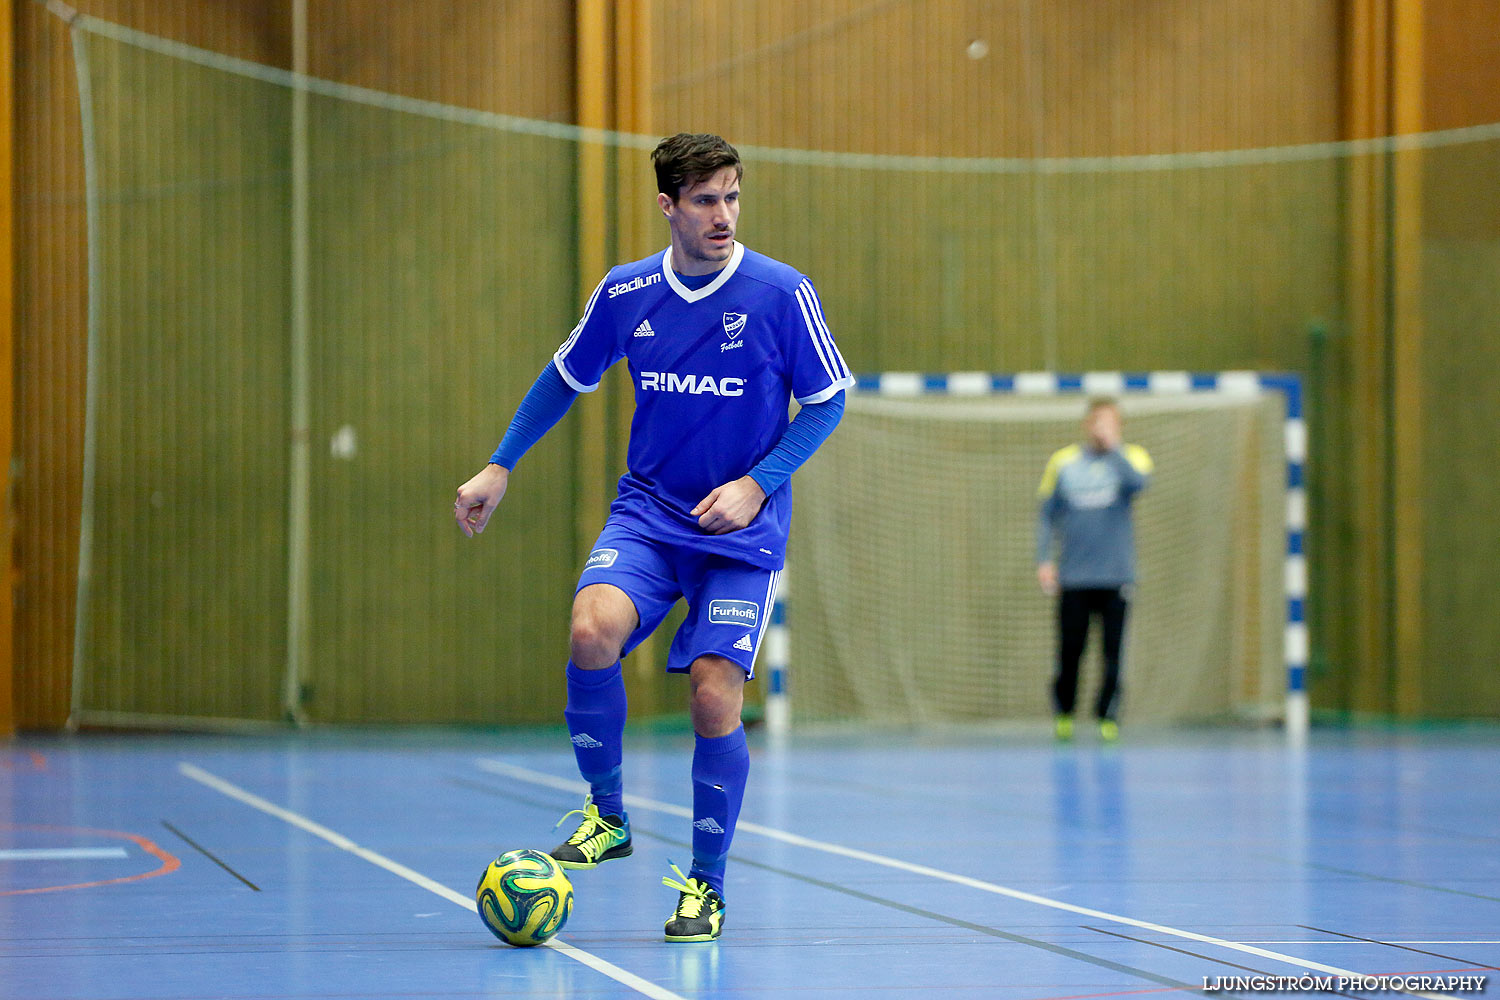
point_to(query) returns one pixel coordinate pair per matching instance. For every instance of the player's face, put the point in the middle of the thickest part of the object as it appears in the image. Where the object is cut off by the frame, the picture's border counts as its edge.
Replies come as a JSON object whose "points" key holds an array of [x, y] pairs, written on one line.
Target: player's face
{"points": [[1103, 427], [703, 221]]}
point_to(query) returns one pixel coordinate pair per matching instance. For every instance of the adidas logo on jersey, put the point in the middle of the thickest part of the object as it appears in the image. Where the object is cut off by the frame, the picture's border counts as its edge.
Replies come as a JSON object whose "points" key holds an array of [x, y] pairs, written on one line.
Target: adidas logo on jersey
{"points": [[707, 825], [745, 643], [586, 742], [644, 330]]}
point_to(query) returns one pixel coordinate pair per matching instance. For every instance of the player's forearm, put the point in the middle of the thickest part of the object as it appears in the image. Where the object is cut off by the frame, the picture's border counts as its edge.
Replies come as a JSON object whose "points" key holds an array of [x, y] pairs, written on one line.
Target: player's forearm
{"points": [[1044, 534], [543, 406], [1132, 480], [807, 431]]}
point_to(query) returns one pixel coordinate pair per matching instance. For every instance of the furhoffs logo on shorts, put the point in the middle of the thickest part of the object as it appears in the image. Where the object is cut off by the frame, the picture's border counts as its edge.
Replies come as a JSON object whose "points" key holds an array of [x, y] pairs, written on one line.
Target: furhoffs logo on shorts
{"points": [[601, 559], [733, 613]]}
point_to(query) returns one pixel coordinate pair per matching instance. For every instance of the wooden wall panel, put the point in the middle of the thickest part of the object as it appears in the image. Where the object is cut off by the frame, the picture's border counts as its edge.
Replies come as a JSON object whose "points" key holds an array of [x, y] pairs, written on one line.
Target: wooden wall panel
{"points": [[7, 367], [1460, 316], [513, 58], [508, 57], [1460, 63], [1227, 267], [1114, 267], [1461, 88], [1214, 269], [51, 312], [1068, 78]]}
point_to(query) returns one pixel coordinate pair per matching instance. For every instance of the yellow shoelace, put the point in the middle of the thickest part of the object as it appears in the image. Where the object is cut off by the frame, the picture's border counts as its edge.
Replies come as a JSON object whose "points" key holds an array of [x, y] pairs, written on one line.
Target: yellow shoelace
{"points": [[592, 826], [695, 893]]}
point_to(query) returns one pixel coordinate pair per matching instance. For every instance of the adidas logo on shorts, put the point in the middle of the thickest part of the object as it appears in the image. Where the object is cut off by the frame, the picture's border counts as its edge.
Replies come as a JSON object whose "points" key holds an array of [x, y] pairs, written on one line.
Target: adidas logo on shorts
{"points": [[586, 742], [707, 825], [745, 643]]}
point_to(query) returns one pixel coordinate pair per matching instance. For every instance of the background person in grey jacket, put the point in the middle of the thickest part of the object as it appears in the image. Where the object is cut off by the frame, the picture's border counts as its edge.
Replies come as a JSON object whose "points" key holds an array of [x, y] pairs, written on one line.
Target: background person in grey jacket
{"points": [[1086, 495]]}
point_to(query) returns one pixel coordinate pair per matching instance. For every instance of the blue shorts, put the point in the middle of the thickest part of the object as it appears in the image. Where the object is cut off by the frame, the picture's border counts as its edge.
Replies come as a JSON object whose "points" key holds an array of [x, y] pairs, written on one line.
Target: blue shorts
{"points": [[729, 601]]}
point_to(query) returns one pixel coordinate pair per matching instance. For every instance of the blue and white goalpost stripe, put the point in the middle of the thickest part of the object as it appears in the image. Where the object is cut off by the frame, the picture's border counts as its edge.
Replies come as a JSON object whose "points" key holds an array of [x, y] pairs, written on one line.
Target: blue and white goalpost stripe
{"points": [[1236, 383]]}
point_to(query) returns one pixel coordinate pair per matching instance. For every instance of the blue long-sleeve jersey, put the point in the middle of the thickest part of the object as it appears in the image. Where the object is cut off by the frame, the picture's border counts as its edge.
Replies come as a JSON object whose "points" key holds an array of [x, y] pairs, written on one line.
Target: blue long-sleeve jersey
{"points": [[1086, 498]]}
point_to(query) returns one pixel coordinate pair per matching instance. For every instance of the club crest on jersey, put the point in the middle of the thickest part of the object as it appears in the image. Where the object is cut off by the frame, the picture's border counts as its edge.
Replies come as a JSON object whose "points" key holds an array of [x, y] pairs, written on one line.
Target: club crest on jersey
{"points": [[734, 328]]}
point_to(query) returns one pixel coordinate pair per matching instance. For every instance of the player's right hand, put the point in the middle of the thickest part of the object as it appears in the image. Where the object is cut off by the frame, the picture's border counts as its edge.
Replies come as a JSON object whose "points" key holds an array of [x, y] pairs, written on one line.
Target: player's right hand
{"points": [[1046, 577], [478, 498]]}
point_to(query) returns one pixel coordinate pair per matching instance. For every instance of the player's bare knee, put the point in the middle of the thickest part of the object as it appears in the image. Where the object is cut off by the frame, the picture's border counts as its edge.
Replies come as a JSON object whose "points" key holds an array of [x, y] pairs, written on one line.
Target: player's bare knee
{"points": [[718, 696], [593, 644], [715, 717], [598, 632]]}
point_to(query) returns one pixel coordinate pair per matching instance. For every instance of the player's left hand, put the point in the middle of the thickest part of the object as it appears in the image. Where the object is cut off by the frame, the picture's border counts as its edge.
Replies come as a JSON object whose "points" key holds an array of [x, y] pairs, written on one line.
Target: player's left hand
{"points": [[730, 507]]}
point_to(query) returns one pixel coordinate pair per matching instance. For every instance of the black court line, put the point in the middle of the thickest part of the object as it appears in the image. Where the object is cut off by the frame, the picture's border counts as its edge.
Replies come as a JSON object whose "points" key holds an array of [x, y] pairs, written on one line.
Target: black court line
{"points": [[205, 852], [1195, 954], [1370, 876], [1402, 947], [917, 911]]}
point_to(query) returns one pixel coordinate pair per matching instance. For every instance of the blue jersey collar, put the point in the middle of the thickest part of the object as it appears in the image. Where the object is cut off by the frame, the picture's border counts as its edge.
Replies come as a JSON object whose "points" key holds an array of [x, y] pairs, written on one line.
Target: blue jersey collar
{"points": [[691, 294]]}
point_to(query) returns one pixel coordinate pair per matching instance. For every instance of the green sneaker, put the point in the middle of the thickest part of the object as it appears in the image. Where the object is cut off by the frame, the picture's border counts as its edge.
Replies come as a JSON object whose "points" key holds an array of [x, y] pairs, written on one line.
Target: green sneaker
{"points": [[1062, 726], [598, 838], [700, 910], [1109, 730]]}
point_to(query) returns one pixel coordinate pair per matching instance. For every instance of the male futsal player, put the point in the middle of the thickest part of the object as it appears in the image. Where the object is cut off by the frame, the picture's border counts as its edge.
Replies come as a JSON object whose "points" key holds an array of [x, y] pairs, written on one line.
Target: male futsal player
{"points": [[1086, 494], [718, 338]]}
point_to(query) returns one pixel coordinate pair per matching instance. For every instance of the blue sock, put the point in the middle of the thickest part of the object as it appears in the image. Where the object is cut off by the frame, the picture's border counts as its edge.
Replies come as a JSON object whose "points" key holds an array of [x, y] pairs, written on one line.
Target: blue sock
{"points": [[596, 720], [720, 766]]}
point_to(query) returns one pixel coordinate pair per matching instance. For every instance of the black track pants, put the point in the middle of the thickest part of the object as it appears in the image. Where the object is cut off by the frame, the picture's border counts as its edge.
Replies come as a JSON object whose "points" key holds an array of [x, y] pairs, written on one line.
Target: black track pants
{"points": [[1075, 608]]}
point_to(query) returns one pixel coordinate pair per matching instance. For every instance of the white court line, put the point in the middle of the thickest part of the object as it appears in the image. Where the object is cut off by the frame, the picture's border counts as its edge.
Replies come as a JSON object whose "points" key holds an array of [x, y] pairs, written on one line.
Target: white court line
{"points": [[61, 853], [638, 802], [619, 975]]}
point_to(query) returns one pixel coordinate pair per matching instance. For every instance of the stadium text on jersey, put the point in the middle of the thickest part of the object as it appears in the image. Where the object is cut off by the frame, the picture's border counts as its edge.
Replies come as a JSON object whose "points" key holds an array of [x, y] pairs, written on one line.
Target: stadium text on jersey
{"points": [[634, 284]]}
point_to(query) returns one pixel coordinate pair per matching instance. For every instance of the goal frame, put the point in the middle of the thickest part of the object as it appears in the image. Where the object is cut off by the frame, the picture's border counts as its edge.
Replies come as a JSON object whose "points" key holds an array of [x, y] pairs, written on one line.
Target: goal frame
{"points": [[1240, 384]]}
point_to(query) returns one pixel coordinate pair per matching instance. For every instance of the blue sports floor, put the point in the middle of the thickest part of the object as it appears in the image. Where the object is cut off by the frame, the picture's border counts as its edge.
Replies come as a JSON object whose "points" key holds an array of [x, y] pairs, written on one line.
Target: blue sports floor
{"points": [[970, 863]]}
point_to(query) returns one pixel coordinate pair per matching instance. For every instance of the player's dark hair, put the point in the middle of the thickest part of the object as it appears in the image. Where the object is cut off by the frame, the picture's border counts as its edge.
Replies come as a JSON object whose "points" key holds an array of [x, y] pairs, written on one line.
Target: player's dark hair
{"points": [[687, 158]]}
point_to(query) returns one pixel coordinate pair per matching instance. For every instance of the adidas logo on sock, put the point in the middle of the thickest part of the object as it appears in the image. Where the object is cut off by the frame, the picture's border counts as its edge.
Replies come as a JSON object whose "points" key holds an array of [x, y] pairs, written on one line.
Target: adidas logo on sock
{"points": [[644, 330], [586, 742], [707, 825], [745, 643]]}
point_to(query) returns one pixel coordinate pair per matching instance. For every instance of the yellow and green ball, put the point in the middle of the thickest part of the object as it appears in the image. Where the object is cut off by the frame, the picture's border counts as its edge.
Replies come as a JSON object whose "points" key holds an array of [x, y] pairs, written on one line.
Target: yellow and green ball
{"points": [[524, 897]]}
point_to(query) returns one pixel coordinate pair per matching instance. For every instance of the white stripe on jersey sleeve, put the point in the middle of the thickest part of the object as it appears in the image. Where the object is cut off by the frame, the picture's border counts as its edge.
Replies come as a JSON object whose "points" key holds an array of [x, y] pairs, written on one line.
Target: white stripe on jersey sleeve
{"points": [[559, 358], [833, 363], [803, 294], [817, 305]]}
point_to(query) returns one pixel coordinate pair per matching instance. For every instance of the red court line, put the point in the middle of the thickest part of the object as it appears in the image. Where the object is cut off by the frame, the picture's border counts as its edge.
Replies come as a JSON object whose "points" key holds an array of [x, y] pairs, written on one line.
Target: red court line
{"points": [[169, 863], [36, 760]]}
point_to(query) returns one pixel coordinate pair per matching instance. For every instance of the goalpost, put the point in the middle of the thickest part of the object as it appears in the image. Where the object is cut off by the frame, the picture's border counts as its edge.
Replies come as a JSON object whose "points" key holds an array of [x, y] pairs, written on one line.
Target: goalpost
{"points": [[913, 590]]}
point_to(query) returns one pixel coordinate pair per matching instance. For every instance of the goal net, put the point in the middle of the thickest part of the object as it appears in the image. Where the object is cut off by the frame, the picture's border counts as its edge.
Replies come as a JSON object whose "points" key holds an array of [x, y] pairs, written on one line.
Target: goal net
{"points": [[914, 596]]}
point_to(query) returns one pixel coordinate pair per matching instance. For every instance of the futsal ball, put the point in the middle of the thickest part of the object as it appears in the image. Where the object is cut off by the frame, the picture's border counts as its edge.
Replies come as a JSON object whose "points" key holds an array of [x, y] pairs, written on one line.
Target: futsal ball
{"points": [[524, 897]]}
